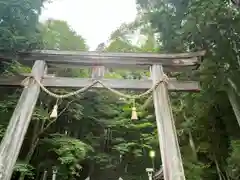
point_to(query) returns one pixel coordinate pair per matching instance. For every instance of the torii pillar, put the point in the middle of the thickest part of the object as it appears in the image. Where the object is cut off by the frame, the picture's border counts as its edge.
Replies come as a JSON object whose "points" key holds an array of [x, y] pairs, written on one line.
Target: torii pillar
{"points": [[170, 152]]}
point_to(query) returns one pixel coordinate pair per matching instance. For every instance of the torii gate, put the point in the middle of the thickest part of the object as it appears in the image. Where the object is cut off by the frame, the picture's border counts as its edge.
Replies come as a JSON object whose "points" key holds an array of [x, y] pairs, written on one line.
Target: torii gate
{"points": [[158, 63]]}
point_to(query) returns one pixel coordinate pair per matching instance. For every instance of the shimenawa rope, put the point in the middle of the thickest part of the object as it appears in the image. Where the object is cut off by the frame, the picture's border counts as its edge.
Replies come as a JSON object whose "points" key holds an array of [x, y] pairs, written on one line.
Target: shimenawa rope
{"points": [[84, 89]]}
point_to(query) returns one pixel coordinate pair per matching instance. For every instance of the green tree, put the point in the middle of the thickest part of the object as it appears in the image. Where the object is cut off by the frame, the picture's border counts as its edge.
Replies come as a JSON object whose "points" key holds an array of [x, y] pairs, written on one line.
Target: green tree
{"points": [[19, 30], [93, 134], [58, 35], [208, 116]]}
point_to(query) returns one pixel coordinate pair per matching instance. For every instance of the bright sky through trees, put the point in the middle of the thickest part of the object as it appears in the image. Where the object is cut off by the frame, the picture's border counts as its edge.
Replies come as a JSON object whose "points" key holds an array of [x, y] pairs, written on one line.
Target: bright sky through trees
{"points": [[92, 19]]}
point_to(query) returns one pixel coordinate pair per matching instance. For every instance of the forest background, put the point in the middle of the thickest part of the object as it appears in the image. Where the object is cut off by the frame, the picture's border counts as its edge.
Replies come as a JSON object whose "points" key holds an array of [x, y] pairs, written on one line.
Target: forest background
{"points": [[93, 135]]}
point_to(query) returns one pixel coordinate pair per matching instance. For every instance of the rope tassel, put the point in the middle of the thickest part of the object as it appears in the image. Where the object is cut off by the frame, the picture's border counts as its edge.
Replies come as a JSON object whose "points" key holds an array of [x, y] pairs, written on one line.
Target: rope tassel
{"points": [[134, 113], [54, 112]]}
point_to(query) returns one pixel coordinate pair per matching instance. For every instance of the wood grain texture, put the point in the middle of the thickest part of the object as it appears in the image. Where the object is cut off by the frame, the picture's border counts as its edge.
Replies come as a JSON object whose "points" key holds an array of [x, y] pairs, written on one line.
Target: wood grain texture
{"points": [[112, 62], [116, 54], [54, 67], [19, 122], [170, 152], [67, 82], [175, 62]]}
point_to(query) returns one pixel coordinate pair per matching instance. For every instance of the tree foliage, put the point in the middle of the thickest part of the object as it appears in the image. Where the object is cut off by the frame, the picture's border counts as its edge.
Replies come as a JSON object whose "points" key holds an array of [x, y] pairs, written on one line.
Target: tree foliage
{"points": [[58, 35], [19, 24], [93, 134], [213, 26]]}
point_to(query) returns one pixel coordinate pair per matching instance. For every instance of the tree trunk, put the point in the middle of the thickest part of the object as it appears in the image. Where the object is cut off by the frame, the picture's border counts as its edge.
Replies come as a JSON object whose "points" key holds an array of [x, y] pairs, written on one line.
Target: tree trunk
{"points": [[29, 156], [233, 100], [35, 138], [192, 145]]}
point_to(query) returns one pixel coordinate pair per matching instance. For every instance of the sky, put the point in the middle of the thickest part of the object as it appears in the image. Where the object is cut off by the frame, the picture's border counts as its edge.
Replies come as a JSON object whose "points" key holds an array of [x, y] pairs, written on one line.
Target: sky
{"points": [[94, 20]]}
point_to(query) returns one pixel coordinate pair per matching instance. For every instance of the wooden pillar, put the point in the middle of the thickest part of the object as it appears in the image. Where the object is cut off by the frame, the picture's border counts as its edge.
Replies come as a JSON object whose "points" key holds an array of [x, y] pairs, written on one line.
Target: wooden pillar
{"points": [[19, 122], [169, 147], [98, 72]]}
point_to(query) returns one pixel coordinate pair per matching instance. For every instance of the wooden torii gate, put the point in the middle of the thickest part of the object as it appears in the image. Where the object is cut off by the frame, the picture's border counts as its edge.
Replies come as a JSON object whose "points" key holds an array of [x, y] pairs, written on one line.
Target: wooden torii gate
{"points": [[158, 63]]}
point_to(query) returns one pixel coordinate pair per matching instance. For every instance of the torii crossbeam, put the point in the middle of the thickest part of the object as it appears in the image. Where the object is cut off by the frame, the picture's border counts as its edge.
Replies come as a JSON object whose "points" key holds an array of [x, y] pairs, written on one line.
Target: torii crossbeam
{"points": [[158, 63]]}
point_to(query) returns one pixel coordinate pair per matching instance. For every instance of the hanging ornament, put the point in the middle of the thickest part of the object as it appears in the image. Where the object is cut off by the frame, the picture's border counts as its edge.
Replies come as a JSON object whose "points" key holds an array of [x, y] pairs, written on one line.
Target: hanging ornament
{"points": [[54, 113], [134, 111]]}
